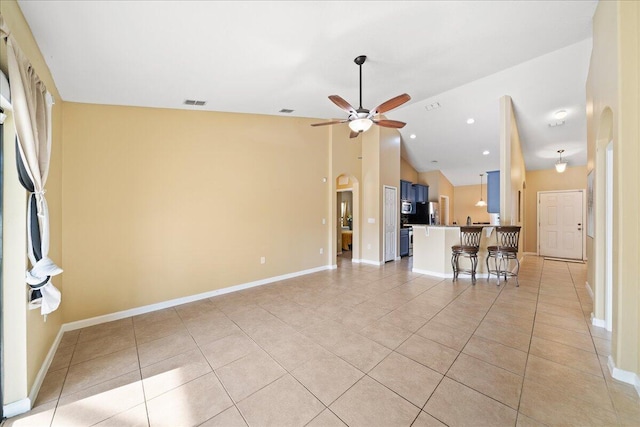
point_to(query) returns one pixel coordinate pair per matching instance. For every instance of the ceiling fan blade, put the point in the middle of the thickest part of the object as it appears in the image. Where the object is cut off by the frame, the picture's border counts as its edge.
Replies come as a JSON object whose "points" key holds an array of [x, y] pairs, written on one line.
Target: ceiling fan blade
{"points": [[333, 122], [342, 104], [390, 104], [390, 123], [354, 134]]}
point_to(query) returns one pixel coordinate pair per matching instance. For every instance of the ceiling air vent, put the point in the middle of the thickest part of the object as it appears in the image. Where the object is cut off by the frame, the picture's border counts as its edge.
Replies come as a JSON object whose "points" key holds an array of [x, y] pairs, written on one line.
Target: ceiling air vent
{"points": [[432, 106], [286, 111], [194, 102]]}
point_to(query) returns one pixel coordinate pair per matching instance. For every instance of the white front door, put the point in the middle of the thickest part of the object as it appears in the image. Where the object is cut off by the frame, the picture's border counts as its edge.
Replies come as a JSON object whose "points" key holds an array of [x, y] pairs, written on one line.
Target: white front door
{"points": [[561, 224], [390, 223]]}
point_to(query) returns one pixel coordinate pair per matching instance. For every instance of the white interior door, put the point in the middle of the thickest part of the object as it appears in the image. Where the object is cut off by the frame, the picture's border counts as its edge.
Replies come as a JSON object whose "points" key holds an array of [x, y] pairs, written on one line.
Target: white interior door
{"points": [[560, 222], [390, 223]]}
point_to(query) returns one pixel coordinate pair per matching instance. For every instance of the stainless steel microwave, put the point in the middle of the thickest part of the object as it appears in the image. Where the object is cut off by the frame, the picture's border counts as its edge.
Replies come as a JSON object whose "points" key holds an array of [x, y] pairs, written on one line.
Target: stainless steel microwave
{"points": [[406, 207]]}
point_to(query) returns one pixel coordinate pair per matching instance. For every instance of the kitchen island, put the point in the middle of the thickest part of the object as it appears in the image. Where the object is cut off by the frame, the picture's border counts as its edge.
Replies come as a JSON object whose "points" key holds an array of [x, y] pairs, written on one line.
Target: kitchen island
{"points": [[432, 250]]}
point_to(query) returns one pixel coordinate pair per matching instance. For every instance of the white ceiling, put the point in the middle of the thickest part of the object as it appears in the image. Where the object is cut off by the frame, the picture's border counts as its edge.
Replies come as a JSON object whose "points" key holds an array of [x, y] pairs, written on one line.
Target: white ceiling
{"points": [[262, 56]]}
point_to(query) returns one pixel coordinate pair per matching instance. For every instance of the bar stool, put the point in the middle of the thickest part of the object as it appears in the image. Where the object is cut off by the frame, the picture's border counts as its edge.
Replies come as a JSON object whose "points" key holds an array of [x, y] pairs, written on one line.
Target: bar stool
{"points": [[506, 249], [468, 248]]}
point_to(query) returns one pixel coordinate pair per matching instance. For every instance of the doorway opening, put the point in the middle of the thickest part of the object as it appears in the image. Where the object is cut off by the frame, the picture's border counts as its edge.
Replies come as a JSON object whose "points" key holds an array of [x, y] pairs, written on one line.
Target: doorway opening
{"points": [[444, 210], [347, 213], [344, 233]]}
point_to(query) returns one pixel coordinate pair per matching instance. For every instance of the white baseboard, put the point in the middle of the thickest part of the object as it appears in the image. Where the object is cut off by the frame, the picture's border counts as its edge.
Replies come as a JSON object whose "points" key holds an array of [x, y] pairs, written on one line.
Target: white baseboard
{"points": [[586, 285], [432, 273], [24, 405], [370, 262], [624, 376], [529, 254], [184, 300], [16, 408], [600, 323]]}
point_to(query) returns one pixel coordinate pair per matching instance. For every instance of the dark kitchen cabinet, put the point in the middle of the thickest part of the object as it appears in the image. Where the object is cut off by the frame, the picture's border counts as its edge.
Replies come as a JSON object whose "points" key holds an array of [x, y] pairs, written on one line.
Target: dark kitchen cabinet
{"points": [[493, 192], [404, 242], [406, 191], [421, 193]]}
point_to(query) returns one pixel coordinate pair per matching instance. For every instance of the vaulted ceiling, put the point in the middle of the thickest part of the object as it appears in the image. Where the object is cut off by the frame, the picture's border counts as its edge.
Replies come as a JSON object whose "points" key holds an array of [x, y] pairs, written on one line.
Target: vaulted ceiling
{"points": [[264, 56]]}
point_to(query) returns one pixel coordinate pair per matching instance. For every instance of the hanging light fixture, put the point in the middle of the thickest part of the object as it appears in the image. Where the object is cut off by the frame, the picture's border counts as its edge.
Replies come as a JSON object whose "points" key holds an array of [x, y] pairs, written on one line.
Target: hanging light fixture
{"points": [[561, 165], [481, 202]]}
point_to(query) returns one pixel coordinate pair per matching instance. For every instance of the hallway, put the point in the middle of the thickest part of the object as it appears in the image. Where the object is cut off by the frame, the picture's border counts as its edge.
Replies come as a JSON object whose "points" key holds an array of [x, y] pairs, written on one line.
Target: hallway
{"points": [[358, 346]]}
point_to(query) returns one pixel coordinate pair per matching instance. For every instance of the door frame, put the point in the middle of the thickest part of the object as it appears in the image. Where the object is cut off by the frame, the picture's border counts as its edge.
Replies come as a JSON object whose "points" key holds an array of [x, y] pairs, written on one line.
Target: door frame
{"points": [[444, 209], [584, 213], [393, 214]]}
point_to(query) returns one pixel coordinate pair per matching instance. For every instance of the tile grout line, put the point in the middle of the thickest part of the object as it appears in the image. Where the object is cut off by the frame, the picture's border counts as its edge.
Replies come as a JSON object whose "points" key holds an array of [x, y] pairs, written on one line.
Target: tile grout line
{"points": [[533, 326], [144, 393], [461, 351]]}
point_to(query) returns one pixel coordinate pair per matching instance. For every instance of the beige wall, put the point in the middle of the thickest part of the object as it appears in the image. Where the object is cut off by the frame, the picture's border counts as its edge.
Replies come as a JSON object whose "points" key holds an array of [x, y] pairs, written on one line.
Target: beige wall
{"points": [[574, 178], [464, 201], [161, 204], [26, 333], [613, 111], [512, 168], [345, 158], [407, 172], [389, 176], [439, 186]]}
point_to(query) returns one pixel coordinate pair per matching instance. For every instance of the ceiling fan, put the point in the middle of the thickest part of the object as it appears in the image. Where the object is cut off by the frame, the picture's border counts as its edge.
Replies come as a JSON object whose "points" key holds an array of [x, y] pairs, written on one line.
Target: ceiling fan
{"points": [[360, 120]]}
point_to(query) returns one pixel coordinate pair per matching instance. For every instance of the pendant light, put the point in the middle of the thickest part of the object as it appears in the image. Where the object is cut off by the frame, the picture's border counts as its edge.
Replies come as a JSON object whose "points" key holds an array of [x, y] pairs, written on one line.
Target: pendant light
{"points": [[561, 165], [481, 202]]}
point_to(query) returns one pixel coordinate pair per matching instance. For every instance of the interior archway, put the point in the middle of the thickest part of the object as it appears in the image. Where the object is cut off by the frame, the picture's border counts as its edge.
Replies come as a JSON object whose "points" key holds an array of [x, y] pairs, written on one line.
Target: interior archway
{"points": [[347, 215]]}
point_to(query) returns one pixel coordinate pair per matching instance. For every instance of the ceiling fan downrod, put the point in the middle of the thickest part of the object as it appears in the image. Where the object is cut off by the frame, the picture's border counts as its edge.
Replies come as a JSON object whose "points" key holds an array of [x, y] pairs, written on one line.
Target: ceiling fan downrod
{"points": [[360, 60]]}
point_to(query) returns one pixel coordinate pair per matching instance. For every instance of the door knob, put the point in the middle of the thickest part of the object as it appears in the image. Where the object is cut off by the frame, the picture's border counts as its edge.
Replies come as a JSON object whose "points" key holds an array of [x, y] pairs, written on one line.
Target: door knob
{"points": [[579, 229], [579, 223]]}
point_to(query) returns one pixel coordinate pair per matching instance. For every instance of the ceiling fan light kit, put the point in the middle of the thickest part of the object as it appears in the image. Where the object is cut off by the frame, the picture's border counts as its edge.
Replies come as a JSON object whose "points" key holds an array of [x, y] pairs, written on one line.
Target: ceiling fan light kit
{"points": [[361, 120]]}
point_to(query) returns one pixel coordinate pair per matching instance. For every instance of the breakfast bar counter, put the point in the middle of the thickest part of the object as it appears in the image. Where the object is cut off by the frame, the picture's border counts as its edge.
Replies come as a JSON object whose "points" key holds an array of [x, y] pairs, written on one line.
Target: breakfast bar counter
{"points": [[432, 249]]}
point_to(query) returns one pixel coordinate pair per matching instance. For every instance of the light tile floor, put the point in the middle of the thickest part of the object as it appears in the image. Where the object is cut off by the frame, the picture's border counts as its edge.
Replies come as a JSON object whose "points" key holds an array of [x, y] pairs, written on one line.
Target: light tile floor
{"points": [[360, 345]]}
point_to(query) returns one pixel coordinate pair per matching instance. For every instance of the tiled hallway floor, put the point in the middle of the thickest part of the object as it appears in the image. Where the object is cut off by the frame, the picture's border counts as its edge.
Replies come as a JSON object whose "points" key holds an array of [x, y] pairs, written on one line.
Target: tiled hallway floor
{"points": [[360, 345]]}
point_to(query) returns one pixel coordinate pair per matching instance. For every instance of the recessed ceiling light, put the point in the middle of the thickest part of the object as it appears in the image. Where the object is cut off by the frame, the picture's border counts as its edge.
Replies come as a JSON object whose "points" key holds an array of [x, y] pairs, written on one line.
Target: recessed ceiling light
{"points": [[412, 136], [470, 121], [560, 114], [485, 152]]}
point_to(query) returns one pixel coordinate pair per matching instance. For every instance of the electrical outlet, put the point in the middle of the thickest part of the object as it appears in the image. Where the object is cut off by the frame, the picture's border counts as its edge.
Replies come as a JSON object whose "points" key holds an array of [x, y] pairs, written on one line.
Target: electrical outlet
{"points": [[369, 246], [371, 220], [263, 260], [324, 221], [321, 251]]}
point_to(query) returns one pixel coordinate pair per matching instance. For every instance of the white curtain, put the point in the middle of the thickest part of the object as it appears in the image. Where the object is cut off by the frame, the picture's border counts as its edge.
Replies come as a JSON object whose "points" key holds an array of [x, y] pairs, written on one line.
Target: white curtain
{"points": [[32, 117]]}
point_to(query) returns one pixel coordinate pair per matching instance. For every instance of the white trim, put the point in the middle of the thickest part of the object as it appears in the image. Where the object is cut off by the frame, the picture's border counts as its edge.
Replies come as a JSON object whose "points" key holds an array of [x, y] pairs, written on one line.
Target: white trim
{"points": [[35, 388], [624, 376], [586, 285], [600, 323], [16, 408], [178, 301], [398, 258], [370, 262], [432, 273]]}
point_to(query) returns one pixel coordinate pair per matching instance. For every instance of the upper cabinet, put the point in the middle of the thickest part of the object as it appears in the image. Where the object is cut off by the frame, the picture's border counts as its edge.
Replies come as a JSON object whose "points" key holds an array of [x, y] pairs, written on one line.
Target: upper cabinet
{"points": [[421, 193], [406, 191], [493, 192]]}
